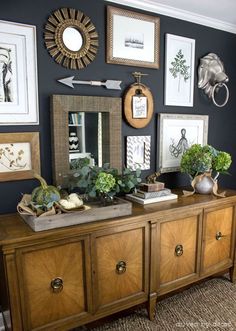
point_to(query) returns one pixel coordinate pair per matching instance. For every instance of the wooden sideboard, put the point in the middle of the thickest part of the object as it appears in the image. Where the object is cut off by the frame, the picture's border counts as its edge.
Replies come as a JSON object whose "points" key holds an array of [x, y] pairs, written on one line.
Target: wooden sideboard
{"points": [[59, 279]]}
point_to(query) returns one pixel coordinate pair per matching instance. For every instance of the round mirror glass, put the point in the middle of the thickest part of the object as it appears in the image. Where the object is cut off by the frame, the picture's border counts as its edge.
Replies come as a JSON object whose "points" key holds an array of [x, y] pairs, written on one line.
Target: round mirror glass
{"points": [[72, 39]]}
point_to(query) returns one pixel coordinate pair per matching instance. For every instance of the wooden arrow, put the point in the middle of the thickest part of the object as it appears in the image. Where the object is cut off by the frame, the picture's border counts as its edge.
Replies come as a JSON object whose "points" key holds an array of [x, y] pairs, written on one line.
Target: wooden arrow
{"points": [[109, 84]]}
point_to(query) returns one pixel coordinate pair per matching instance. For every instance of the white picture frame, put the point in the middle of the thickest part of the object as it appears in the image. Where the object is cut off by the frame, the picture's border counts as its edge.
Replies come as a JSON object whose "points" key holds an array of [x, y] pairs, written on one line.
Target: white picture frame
{"points": [[178, 132], [132, 38], [138, 152], [179, 71], [18, 73]]}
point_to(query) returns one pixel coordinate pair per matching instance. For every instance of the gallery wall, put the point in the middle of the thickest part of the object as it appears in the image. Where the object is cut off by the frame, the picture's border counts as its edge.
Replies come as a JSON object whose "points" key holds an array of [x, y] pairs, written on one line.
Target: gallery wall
{"points": [[222, 121]]}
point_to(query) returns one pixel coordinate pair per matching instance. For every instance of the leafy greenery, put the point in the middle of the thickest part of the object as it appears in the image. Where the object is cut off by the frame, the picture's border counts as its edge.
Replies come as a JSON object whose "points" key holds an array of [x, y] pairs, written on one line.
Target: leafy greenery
{"points": [[95, 181], [199, 159], [179, 68]]}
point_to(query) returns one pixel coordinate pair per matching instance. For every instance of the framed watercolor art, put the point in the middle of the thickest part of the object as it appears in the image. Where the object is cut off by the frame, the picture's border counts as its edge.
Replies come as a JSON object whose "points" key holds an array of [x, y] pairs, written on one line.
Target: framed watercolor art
{"points": [[132, 38], [19, 155], [179, 71], [18, 74], [177, 133]]}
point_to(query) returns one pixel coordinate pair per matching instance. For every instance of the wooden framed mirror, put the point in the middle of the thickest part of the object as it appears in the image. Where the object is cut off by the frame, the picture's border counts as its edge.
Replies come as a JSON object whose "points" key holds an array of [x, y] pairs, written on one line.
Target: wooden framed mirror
{"points": [[68, 115], [71, 38]]}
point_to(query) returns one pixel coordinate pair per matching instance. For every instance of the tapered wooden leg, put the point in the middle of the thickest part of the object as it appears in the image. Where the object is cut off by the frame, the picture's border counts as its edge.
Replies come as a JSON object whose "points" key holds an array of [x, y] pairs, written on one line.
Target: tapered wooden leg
{"points": [[232, 274], [152, 306]]}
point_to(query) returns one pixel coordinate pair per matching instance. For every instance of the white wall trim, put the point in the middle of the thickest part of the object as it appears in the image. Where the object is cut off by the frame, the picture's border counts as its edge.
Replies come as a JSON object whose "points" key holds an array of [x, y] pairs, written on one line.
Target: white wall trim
{"points": [[150, 5]]}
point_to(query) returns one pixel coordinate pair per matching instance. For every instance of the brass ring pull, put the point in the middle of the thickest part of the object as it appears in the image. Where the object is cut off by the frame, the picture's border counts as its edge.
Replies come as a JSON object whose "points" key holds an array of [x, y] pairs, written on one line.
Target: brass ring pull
{"points": [[57, 285], [179, 250], [121, 267], [218, 235]]}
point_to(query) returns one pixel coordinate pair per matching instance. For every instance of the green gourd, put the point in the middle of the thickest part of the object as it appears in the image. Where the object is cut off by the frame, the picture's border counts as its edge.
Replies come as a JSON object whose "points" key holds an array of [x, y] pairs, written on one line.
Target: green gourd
{"points": [[44, 195]]}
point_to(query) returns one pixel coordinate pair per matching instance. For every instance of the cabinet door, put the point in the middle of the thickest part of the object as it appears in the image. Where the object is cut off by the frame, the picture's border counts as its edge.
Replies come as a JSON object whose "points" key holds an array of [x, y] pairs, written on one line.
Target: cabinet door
{"points": [[121, 267], [54, 283], [217, 252], [178, 246]]}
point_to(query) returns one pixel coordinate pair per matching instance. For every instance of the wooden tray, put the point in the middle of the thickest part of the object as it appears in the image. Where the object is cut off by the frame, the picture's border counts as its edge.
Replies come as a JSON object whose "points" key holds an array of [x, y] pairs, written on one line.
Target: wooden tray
{"points": [[96, 212]]}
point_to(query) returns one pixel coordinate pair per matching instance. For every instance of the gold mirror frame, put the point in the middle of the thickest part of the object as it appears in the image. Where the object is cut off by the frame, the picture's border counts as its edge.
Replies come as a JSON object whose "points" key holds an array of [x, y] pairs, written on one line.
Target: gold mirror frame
{"points": [[61, 105], [56, 25]]}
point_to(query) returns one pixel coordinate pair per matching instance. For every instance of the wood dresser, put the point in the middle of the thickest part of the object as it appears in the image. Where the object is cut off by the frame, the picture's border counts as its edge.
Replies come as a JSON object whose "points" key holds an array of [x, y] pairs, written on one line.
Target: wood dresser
{"points": [[59, 279]]}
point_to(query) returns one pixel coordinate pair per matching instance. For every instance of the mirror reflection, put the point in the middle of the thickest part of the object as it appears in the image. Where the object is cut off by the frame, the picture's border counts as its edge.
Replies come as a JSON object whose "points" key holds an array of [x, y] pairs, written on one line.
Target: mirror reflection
{"points": [[72, 39], [88, 138]]}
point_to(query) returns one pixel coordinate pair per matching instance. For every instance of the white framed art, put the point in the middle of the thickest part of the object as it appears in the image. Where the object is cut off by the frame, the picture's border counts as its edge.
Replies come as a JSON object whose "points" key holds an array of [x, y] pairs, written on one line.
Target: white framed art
{"points": [[179, 70], [138, 150], [132, 38], [178, 132], [18, 74]]}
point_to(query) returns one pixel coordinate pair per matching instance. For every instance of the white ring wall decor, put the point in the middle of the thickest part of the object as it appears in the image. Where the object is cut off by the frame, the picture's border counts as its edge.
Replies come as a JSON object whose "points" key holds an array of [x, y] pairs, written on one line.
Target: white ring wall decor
{"points": [[213, 94]]}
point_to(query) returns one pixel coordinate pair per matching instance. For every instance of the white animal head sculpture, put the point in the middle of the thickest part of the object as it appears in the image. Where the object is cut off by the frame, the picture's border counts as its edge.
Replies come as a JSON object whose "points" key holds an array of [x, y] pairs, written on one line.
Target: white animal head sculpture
{"points": [[212, 76]]}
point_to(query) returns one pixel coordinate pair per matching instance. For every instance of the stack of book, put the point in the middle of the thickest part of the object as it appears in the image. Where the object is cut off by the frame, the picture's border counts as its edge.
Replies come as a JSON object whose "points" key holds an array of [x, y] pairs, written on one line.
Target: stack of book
{"points": [[151, 193]]}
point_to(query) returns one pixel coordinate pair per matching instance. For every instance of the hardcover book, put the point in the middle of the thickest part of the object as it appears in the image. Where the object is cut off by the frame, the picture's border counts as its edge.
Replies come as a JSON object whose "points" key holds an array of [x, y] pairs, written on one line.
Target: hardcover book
{"points": [[148, 195], [152, 187], [134, 198]]}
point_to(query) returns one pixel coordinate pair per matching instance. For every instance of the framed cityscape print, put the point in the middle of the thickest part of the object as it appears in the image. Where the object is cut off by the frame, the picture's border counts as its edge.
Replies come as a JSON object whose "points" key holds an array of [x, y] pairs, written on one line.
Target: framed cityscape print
{"points": [[178, 133], [179, 71], [18, 74], [132, 38]]}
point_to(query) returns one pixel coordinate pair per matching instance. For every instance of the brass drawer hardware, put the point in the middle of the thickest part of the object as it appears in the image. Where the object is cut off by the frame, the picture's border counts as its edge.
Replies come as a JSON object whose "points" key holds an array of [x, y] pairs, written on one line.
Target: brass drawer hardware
{"points": [[179, 250], [57, 285], [219, 235], [121, 267]]}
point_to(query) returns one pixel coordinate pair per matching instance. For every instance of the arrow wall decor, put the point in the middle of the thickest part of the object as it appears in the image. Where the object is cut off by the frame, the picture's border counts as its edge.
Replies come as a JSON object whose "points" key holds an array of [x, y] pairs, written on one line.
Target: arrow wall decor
{"points": [[109, 84]]}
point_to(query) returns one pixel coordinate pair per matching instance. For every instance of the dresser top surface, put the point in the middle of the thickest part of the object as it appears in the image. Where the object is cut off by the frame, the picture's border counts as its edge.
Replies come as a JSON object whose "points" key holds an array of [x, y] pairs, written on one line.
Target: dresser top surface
{"points": [[13, 229]]}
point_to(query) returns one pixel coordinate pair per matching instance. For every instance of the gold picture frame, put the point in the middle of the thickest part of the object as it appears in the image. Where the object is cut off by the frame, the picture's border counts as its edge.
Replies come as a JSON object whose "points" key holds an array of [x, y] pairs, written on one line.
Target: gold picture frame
{"points": [[19, 155], [132, 38]]}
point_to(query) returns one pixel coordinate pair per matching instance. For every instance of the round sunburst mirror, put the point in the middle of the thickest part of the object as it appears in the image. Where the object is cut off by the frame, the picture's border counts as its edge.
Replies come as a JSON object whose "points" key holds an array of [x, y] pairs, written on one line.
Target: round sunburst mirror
{"points": [[71, 38]]}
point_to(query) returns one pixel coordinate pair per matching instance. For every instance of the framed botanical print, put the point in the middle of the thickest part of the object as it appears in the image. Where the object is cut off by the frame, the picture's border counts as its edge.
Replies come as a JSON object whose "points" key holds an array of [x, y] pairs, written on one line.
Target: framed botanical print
{"points": [[18, 74], [178, 132], [179, 70], [19, 155]]}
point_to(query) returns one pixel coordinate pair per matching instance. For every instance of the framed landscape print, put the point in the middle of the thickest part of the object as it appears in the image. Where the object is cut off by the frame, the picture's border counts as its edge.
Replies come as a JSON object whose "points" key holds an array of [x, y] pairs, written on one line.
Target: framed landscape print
{"points": [[19, 155], [179, 71], [178, 133], [132, 38], [18, 74], [138, 152]]}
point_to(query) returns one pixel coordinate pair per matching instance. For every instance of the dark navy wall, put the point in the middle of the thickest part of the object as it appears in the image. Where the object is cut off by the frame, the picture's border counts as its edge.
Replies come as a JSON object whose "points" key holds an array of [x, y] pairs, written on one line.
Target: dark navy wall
{"points": [[222, 122]]}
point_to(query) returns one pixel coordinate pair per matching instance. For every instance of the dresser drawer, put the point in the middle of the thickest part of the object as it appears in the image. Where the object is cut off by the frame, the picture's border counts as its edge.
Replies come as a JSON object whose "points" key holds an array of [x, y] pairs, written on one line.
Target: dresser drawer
{"points": [[54, 283], [178, 249], [217, 250], [121, 266]]}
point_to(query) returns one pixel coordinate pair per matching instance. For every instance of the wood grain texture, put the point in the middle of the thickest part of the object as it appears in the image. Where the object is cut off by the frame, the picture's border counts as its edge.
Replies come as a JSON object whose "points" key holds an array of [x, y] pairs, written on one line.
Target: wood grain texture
{"points": [[85, 257], [110, 249], [181, 232], [128, 105], [217, 251], [40, 267]]}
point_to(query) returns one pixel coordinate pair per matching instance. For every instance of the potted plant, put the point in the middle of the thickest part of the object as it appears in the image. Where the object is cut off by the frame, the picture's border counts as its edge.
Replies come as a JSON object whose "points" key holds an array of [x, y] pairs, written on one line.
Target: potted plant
{"points": [[103, 182], [203, 164]]}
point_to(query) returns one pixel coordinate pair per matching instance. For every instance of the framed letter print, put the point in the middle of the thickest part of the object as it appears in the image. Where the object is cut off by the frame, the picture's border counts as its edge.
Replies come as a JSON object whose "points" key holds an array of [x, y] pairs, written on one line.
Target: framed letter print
{"points": [[132, 38], [179, 70], [178, 133], [19, 155], [18, 74], [138, 152]]}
